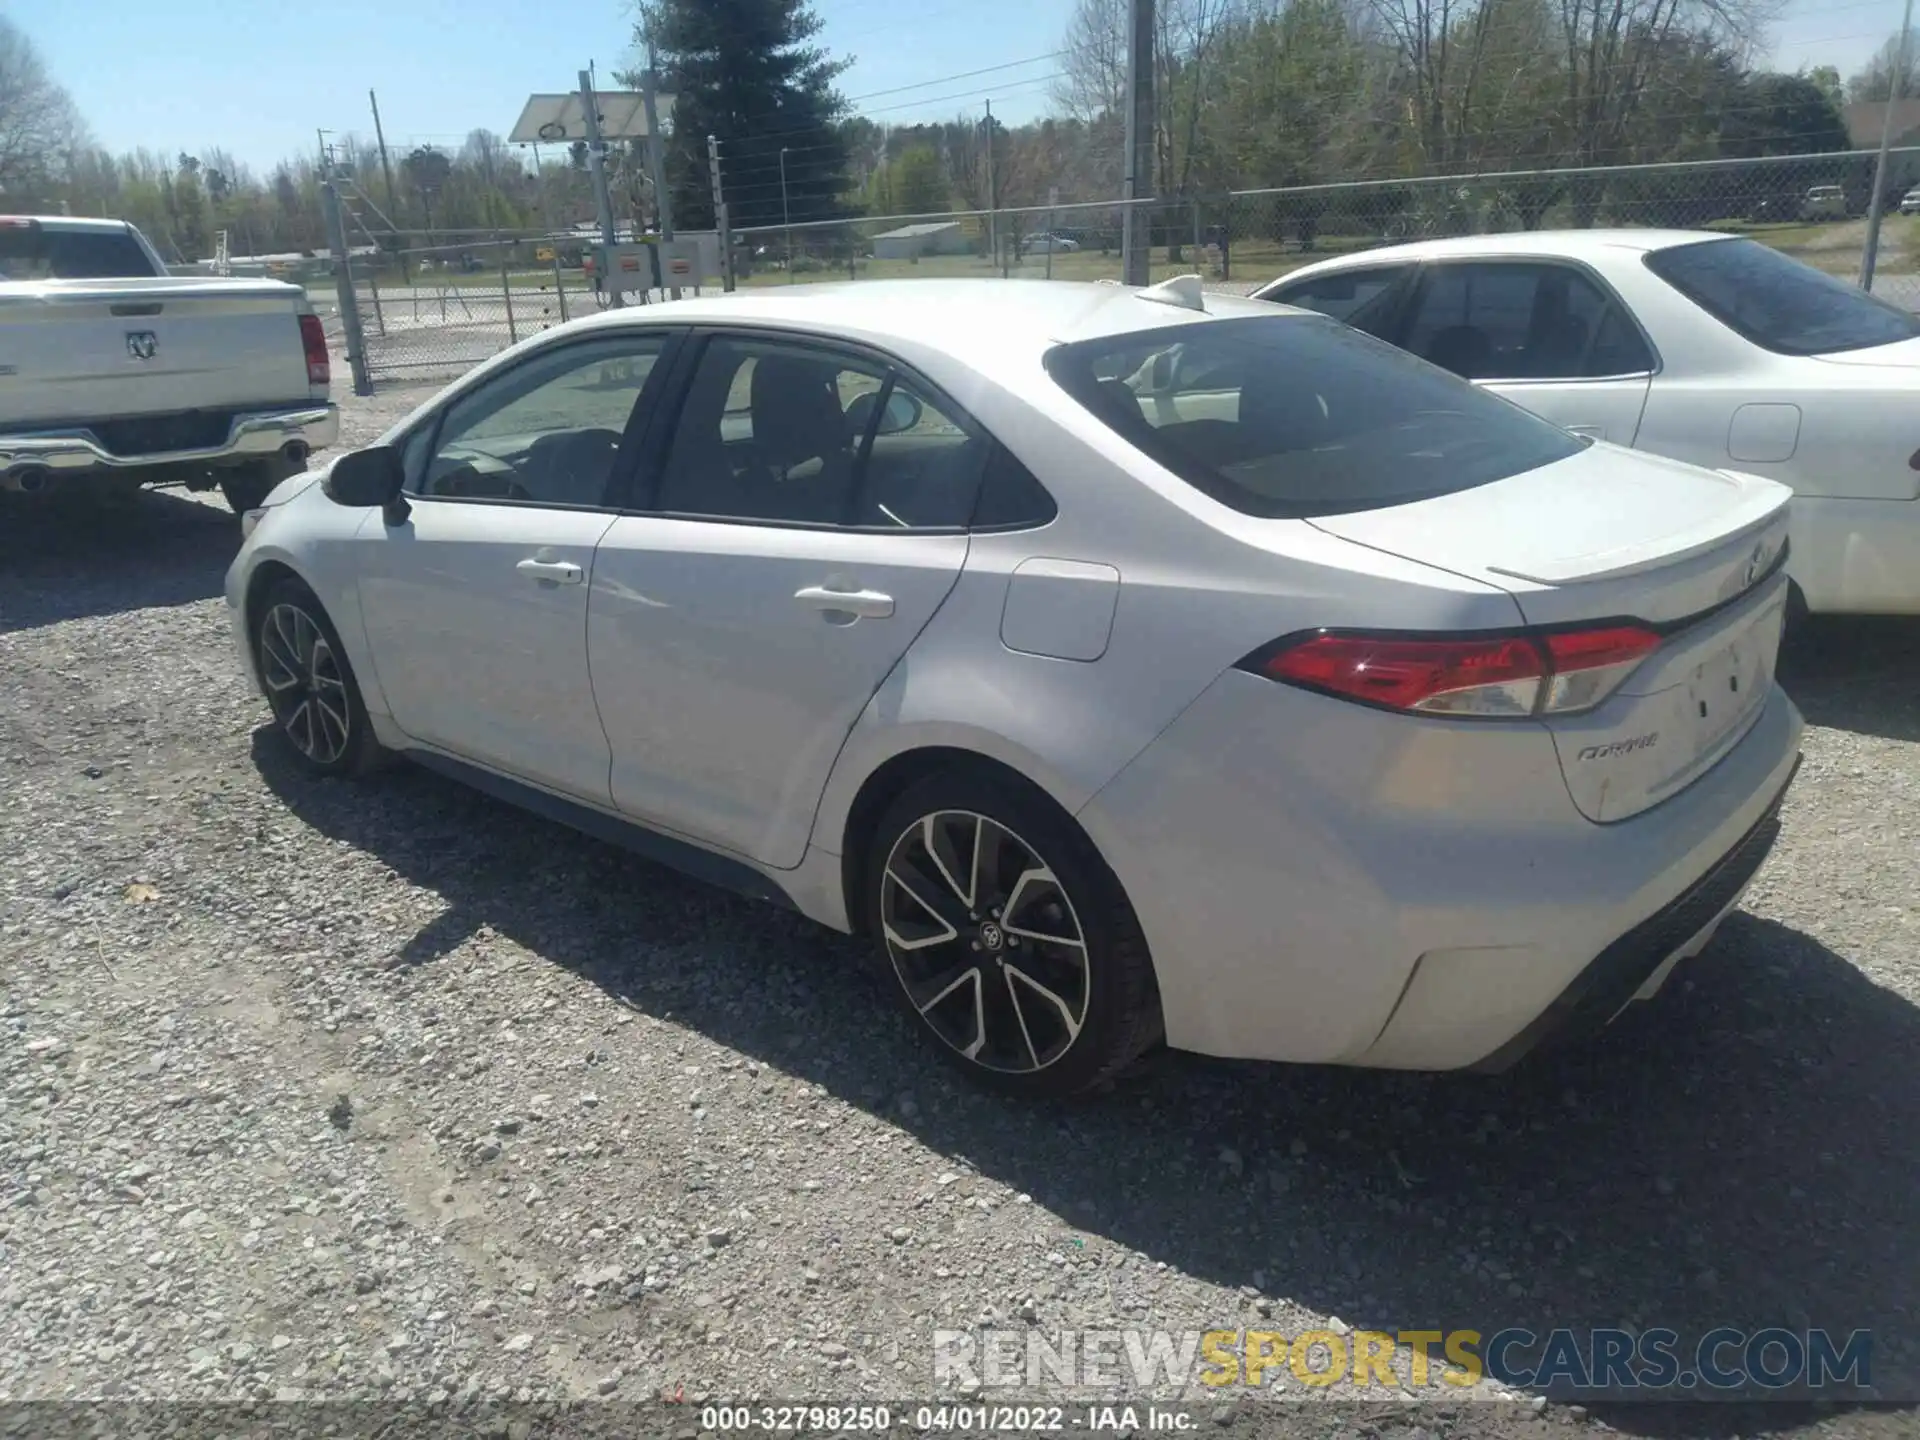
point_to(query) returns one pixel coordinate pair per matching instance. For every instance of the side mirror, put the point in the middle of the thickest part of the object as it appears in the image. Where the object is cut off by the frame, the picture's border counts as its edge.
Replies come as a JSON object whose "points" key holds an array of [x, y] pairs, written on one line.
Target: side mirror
{"points": [[903, 412], [366, 478], [1165, 368]]}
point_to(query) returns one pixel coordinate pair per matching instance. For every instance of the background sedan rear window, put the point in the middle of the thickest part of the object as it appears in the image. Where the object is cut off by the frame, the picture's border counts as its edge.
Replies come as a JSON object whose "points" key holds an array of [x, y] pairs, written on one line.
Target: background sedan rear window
{"points": [[1778, 303]]}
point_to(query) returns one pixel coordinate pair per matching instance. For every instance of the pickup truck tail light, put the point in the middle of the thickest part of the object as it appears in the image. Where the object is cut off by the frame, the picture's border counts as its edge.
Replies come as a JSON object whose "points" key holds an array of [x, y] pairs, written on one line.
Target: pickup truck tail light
{"points": [[314, 340]]}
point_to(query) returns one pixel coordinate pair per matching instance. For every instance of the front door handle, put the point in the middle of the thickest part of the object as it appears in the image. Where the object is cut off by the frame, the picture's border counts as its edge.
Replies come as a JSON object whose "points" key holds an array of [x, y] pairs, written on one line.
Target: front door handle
{"points": [[552, 572], [868, 604]]}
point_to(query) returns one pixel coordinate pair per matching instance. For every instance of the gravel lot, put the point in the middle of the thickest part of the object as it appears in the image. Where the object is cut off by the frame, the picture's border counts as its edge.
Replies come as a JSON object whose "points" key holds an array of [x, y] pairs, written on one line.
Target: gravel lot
{"points": [[315, 1090]]}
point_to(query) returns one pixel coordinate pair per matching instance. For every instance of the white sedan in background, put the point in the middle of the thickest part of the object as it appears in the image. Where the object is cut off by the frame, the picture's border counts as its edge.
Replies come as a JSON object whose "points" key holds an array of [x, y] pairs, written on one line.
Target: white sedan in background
{"points": [[1315, 706], [1700, 346]]}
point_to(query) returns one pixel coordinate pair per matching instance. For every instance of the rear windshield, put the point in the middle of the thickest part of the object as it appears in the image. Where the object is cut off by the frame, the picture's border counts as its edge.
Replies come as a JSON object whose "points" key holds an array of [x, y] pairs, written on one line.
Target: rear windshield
{"points": [[1297, 415], [1777, 303], [39, 252]]}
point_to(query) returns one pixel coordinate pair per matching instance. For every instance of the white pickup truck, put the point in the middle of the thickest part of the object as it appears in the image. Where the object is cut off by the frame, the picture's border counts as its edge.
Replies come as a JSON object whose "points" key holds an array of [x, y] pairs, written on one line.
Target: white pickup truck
{"points": [[114, 374]]}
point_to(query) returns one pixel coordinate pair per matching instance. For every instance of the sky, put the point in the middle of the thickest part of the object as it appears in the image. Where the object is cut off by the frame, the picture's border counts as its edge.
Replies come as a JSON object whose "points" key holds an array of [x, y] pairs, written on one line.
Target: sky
{"points": [[258, 78]]}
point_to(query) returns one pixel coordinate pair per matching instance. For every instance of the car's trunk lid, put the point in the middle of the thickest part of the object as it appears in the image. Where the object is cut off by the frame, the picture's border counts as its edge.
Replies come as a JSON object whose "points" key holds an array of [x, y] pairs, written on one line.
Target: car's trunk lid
{"points": [[1611, 537], [80, 350], [1901, 355]]}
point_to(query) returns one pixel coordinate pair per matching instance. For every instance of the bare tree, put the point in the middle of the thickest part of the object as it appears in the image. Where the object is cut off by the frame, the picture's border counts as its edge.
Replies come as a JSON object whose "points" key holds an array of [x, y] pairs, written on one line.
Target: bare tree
{"points": [[1093, 65], [38, 125], [1612, 60], [1874, 82]]}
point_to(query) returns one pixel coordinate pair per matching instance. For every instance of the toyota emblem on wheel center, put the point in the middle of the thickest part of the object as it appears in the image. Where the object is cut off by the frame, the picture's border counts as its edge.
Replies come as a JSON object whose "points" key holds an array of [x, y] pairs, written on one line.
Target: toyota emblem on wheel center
{"points": [[142, 344]]}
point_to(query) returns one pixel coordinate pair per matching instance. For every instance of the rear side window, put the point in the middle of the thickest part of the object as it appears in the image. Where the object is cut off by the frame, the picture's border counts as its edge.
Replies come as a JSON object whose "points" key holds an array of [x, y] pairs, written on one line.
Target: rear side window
{"points": [[1298, 416], [37, 252], [1777, 303]]}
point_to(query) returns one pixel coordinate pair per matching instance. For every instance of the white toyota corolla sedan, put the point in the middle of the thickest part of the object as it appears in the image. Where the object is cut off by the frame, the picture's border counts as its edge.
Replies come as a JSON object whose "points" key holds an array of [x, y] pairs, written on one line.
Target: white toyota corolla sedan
{"points": [[1128, 664], [1691, 344]]}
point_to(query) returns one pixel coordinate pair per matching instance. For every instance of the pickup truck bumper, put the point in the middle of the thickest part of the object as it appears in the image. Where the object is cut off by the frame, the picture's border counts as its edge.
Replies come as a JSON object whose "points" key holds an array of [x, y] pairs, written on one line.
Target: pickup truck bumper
{"points": [[250, 435]]}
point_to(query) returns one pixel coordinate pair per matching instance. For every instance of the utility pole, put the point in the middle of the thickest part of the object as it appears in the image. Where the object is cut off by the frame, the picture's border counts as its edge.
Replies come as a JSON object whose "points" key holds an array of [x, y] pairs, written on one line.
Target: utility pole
{"points": [[1136, 237], [330, 210], [720, 214], [993, 214], [786, 214], [386, 168], [1878, 203], [597, 166], [662, 201]]}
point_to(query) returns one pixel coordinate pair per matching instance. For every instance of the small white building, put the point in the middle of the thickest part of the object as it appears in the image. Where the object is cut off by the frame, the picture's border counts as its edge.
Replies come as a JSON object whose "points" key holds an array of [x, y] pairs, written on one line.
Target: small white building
{"points": [[935, 237]]}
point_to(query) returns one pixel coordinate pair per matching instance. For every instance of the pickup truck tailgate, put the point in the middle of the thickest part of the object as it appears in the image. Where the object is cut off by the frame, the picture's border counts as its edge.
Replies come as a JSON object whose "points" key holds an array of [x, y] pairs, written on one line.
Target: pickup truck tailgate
{"points": [[73, 350]]}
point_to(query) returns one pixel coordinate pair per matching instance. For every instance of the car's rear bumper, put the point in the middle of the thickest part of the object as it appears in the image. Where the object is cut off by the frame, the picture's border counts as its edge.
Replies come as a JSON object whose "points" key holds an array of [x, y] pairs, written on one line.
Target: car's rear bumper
{"points": [[1340, 885], [1858, 557], [1636, 965], [250, 435]]}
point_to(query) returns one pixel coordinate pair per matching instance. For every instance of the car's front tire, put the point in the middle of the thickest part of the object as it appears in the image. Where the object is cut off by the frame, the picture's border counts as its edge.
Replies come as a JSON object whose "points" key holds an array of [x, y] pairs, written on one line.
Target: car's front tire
{"points": [[1008, 939], [310, 686]]}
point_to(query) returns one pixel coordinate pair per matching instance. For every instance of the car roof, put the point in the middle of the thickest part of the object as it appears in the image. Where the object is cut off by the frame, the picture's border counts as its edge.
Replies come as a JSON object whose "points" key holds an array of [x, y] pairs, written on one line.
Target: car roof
{"points": [[977, 319], [71, 222], [1568, 244]]}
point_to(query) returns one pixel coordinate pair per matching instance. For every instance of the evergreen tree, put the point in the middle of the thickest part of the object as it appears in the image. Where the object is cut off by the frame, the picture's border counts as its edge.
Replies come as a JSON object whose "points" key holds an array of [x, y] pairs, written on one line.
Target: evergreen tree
{"points": [[745, 72]]}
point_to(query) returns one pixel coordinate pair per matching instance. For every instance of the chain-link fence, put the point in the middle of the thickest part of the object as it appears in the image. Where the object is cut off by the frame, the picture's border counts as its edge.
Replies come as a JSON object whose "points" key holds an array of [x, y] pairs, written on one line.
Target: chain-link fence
{"points": [[430, 307]]}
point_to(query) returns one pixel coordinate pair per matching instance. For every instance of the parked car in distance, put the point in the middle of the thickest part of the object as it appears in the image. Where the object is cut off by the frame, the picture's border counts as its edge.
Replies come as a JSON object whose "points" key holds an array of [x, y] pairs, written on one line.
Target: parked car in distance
{"points": [[1824, 202], [1704, 347], [1042, 244], [115, 374], [1125, 664], [1910, 202]]}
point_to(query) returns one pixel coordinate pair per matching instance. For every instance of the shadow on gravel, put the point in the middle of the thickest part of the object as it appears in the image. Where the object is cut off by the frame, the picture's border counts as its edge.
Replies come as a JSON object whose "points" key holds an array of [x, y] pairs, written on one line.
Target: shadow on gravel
{"points": [[1856, 674], [68, 560], [1743, 1151]]}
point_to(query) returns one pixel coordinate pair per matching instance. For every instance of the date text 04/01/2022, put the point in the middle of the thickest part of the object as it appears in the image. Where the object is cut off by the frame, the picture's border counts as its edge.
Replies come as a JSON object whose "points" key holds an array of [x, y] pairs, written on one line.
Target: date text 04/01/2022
{"points": [[969, 1419]]}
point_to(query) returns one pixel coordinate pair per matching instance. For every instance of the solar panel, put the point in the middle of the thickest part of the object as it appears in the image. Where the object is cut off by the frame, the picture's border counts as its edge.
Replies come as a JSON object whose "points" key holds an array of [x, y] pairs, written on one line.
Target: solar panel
{"points": [[560, 119]]}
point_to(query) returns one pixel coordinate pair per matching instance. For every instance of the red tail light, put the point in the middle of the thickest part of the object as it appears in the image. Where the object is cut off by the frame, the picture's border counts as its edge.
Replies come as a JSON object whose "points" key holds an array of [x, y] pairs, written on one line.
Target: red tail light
{"points": [[1557, 672], [314, 340]]}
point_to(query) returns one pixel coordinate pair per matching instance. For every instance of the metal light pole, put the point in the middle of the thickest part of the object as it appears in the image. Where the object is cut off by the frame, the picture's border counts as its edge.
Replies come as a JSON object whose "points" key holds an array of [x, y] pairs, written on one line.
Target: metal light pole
{"points": [[656, 163], [1877, 204], [786, 215], [1136, 235], [993, 214]]}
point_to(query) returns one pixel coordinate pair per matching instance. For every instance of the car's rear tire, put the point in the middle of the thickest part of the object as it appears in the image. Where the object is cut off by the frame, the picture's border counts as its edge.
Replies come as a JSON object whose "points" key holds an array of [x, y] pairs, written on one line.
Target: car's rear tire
{"points": [[310, 685], [1008, 939], [247, 486]]}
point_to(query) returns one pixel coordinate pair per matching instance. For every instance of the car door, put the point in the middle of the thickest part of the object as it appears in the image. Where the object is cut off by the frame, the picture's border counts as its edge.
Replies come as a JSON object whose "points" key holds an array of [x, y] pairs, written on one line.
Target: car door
{"points": [[476, 604], [796, 532], [1546, 334]]}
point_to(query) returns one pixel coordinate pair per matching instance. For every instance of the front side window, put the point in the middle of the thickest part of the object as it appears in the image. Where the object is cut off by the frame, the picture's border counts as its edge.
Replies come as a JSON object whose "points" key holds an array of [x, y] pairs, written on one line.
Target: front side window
{"points": [[788, 433], [1777, 303], [1517, 320], [546, 432], [1298, 416], [1344, 295]]}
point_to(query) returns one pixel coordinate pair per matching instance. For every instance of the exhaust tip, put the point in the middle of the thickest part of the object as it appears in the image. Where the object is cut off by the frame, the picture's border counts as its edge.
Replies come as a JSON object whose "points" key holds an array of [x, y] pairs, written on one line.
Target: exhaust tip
{"points": [[28, 480], [295, 452]]}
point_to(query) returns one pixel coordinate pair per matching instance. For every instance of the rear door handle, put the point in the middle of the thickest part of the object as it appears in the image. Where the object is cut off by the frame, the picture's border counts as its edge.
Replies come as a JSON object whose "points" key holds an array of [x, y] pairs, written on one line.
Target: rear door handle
{"points": [[552, 572], [870, 604]]}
